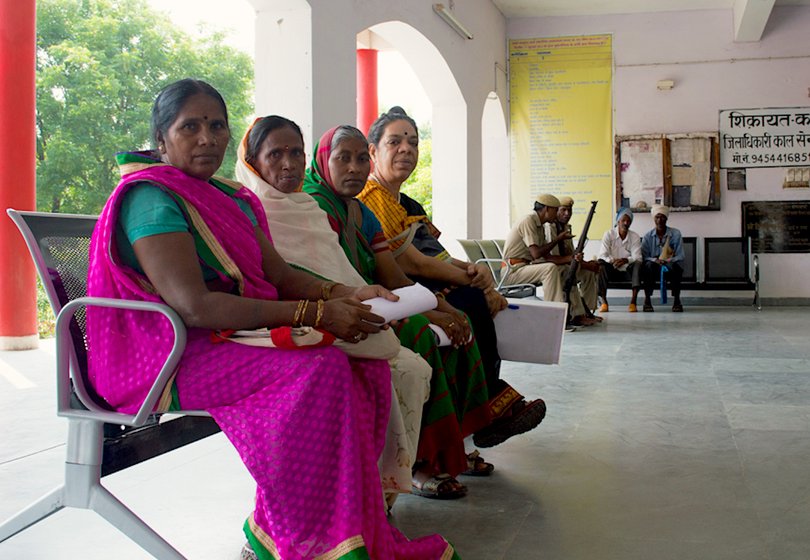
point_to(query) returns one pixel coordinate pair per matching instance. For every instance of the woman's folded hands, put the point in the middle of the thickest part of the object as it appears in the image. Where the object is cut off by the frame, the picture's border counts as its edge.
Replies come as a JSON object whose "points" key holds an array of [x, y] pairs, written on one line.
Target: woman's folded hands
{"points": [[348, 318]]}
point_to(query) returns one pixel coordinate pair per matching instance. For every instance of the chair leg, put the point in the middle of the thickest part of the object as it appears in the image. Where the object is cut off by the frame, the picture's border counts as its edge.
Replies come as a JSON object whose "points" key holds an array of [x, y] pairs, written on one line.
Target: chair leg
{"points": [[122, 518], [85, 491], [36, 512]]}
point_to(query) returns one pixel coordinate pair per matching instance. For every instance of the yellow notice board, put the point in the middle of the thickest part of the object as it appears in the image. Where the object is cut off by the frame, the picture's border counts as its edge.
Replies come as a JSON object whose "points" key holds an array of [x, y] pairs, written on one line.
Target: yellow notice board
{"points": [[561, 110]]}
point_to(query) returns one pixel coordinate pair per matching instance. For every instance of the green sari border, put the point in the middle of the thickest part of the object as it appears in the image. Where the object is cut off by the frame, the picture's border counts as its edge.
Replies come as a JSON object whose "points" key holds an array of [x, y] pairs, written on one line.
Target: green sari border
{"points": [[350, 549]]}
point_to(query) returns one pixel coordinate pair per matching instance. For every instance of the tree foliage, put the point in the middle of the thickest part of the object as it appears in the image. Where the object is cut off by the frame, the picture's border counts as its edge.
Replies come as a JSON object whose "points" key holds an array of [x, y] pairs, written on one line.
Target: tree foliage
{"points": [[100, 64], [419, 185]]}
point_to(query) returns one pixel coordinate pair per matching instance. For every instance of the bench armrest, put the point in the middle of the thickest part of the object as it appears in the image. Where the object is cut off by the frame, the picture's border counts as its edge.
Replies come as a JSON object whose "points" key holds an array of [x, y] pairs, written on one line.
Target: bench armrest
{"points": [[64, 346], [500, 285]]}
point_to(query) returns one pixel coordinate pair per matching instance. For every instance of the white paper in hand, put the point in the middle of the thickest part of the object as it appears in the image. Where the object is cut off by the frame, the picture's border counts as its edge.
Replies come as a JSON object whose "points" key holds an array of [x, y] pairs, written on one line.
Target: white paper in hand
{"points": [[412, 300], [441, 337]]}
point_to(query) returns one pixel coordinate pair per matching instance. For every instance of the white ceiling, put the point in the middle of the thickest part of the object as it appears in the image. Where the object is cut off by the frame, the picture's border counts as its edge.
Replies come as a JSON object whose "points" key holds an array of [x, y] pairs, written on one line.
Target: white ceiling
{"points": [[539, 8]]}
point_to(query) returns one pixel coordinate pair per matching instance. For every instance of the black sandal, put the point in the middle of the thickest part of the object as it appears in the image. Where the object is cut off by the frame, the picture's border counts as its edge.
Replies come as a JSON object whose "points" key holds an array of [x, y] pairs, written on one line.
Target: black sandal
{"points": [[525, 416]]}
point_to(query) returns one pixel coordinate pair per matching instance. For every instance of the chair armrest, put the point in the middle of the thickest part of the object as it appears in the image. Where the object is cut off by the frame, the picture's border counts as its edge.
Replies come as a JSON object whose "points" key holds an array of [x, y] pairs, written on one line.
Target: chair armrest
{"points": [[504, 264], [501, 286], [64, 345]]}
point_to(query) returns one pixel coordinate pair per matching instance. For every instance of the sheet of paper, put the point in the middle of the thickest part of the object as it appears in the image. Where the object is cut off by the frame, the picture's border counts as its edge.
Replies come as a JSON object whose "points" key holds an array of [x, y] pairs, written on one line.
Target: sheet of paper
{"points": [[412, 300], [441, 336]]}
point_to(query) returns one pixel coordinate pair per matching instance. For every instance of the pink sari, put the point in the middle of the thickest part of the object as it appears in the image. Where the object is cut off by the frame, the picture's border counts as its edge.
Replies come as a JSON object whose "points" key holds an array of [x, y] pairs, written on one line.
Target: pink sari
{"points": [[308, 424]]}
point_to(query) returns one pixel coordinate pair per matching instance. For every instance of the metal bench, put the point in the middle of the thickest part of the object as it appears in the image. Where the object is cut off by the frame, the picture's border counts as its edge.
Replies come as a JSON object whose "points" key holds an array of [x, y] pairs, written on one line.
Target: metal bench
{"points": [[490, 252], [100, 440]]}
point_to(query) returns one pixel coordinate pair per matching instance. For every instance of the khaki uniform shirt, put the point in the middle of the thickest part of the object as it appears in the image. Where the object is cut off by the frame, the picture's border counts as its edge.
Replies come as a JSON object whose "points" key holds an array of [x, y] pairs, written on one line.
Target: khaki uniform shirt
{"points": [[529, 231], [550, 229]]}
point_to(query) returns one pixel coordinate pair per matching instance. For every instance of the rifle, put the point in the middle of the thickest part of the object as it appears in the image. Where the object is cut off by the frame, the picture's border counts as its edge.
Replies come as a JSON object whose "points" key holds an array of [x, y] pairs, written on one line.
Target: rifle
{"points": [[571, 275]]}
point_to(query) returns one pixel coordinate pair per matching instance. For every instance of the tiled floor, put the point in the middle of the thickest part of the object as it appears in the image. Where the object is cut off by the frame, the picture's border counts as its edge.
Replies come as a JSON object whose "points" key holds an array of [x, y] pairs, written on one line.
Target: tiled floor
{"points": [[669, 436]]}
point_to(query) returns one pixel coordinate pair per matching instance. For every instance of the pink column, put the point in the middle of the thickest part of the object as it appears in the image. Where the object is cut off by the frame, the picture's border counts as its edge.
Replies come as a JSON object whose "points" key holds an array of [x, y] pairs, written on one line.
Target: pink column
{"points": [[366, 88], [18, 312]]}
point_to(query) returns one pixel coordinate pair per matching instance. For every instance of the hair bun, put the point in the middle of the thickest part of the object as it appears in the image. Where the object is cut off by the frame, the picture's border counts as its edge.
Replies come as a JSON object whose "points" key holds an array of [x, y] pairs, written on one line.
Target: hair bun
{"points": [[397, 110]]}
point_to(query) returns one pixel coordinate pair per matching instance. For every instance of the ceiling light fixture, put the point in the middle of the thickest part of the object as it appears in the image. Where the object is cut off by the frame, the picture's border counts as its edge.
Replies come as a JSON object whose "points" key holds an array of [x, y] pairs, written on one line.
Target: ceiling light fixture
{"points": [[451, 20]]}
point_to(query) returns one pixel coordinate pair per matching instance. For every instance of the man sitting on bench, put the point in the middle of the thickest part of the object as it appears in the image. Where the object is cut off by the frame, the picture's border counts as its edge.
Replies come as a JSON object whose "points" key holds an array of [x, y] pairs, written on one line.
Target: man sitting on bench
{"points": [[662, 248], [620, 258]]}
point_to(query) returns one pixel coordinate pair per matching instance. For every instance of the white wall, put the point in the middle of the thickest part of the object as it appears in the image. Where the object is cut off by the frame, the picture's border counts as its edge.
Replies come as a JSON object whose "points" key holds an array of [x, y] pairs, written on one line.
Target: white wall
{"points": [[711, 73], [282, 61], [495, 171], [327, 91]]}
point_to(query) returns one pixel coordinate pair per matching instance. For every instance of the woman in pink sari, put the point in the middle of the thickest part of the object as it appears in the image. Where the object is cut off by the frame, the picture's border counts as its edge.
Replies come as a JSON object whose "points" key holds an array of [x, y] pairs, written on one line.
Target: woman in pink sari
{"points": [[309, 424]]}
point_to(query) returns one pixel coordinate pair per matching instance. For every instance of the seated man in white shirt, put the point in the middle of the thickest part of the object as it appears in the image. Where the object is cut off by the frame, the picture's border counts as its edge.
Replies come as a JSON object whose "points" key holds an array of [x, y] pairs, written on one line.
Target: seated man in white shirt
{"points": [[620, 258]]}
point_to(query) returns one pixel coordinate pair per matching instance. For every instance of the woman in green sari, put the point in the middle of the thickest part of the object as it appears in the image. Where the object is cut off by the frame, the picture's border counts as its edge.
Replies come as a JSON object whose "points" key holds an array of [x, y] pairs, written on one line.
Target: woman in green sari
{"points": [[458, 404]]}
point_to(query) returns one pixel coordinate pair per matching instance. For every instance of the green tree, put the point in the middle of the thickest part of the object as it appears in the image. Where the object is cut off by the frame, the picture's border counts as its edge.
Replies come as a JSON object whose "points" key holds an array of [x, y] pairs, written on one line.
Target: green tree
{"points": [[100, 64], [419, 185]]}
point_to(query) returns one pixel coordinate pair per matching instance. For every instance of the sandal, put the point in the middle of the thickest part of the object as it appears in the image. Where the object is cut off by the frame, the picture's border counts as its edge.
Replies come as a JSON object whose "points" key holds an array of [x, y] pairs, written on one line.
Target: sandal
{"points": [[248, 553], [390, 498], [648, 308], [583, 321], [476, 466], [440, 487]]}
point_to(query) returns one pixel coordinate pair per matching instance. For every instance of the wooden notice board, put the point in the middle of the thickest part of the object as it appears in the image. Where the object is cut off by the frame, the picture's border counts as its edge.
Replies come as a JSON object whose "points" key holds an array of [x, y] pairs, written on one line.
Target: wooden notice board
{"points": [[777, 226], [677, 170]]}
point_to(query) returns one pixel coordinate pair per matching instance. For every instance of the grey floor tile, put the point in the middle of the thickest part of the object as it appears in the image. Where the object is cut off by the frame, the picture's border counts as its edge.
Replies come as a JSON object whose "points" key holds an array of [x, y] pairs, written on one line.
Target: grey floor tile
{"points": [[769, 417], [668, 436]]}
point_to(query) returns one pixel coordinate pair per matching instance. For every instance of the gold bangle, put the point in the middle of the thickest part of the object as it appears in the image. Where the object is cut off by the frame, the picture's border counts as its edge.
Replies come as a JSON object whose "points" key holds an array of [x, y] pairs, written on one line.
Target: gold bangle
{"points": [[295, 315], [326, 289], [318, 313], [304, 312], [440, 295], [298, 316]]}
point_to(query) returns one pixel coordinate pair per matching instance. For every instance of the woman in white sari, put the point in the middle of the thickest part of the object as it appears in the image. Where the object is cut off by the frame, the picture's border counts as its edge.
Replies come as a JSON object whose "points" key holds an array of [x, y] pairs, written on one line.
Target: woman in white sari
{"points": [[304, 239]]}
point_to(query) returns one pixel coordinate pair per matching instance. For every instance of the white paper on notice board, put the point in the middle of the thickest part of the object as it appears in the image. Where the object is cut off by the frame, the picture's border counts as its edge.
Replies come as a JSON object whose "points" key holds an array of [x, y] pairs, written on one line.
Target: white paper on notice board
{"points": [[531, 330]]}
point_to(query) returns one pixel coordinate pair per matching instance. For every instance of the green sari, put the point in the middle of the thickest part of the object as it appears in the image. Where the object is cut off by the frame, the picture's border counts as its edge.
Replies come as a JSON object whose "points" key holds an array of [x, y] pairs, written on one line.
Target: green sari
{"points": [[459, 400]]}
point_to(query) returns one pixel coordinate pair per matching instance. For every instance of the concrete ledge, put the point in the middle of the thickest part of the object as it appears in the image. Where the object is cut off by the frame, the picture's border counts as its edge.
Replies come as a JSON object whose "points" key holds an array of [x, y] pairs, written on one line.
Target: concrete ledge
{"points": [[29, 342]]}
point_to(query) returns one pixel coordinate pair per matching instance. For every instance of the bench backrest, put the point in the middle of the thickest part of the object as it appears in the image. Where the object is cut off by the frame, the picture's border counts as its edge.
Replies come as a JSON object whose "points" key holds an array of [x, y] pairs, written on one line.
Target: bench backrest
{"points": [[471, 249], [689, 259], [59, 245], [726, 259]]}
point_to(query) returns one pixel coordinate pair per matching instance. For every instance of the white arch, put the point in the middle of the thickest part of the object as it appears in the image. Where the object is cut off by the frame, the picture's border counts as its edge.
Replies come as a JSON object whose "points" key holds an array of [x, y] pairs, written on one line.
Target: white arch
{"points": [[449, 124], [495, 174]]}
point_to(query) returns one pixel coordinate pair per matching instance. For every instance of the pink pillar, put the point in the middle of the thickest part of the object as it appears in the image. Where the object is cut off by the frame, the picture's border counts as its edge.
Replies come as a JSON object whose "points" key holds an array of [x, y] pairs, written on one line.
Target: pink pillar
{"points": [[18, 310], [366, 88]]}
